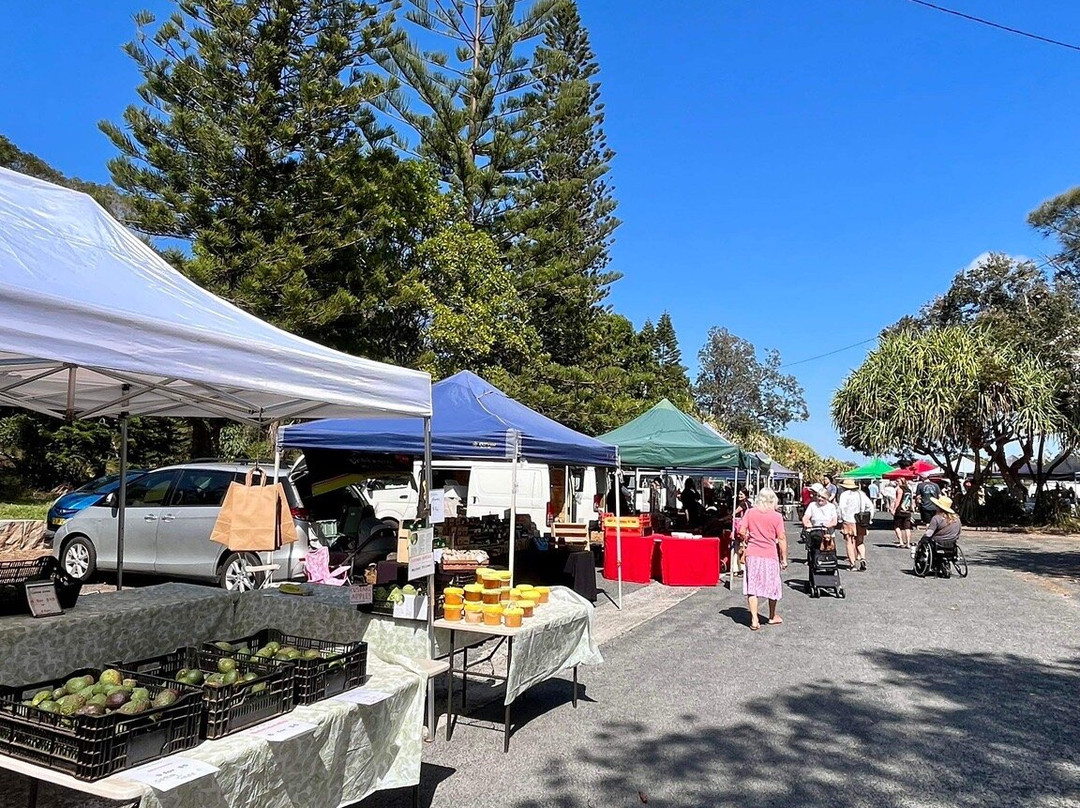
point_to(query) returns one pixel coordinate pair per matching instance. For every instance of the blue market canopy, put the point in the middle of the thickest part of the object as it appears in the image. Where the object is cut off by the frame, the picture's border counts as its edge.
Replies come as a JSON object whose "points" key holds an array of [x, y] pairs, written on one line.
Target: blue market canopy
{"points": [[470, 420], [665, 437]]}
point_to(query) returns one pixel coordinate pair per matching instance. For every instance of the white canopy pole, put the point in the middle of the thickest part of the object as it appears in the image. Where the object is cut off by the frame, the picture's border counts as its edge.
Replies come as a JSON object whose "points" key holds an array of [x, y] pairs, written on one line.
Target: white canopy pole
{"points": [[618, 524], [513, 500], [734, 538], [428, 480], [121, 500]]}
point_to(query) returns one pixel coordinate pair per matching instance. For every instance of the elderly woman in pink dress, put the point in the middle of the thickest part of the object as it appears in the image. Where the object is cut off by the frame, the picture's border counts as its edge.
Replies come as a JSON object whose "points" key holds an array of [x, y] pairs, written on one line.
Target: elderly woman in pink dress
{"points": [[764, 543]]}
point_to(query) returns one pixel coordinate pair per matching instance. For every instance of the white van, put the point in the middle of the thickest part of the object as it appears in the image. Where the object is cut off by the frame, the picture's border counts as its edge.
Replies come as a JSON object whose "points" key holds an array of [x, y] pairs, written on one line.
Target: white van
{"points": [[485, 487]]}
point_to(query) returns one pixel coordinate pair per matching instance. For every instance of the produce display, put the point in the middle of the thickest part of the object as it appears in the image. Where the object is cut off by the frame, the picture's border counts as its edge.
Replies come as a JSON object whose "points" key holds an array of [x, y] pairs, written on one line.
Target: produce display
{"points": [[238, 691], [320, 668], [94, 722], [492, 600], [387, 596]]}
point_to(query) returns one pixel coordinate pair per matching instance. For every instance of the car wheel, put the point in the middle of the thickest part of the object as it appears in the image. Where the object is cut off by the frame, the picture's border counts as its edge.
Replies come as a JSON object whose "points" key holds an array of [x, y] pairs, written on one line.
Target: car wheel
{"points": [[79, 558], [235, 576]]}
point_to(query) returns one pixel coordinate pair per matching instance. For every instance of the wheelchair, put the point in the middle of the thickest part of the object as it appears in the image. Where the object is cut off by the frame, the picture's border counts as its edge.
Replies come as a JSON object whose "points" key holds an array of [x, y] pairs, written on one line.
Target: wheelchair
{"points": [[940, 559]]}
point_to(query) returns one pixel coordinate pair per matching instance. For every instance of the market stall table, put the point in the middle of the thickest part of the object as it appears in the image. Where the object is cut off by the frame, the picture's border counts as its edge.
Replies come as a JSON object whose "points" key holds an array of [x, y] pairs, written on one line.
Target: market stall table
{"points": [[134, 623], [559, 566], [689, 561], [349, 750], [557, 638]]}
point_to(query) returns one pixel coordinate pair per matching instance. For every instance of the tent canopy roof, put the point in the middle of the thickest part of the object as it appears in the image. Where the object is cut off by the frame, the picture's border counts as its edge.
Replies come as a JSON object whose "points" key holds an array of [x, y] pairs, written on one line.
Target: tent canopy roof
{"points": [[471, 420], [665, 437], [873, 470], [88, 308]]}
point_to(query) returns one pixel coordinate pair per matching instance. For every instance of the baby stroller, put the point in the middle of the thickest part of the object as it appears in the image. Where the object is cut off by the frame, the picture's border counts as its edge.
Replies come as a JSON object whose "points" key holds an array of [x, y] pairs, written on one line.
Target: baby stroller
{"points": [[821, 559], [939, 558]]}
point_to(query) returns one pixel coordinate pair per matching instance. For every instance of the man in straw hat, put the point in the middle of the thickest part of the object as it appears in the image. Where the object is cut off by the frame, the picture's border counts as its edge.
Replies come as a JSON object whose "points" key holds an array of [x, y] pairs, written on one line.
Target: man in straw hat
{"points": [[853, 501]]}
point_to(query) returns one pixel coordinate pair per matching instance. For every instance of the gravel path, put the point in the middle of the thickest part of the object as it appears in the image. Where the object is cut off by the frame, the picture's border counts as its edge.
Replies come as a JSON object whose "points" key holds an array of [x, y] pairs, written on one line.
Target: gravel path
{"points": [[908, 693]]}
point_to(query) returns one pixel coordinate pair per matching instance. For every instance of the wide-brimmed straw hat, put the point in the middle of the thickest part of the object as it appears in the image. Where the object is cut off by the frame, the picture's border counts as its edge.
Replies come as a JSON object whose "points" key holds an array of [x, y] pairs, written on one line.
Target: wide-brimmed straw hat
{"points": [[944, 503], [849, 484]]}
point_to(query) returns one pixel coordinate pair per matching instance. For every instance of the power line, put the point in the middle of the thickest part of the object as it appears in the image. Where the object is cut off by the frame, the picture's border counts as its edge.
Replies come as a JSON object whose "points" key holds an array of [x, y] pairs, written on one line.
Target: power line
{"points": [[830, 353], [996, 25]]}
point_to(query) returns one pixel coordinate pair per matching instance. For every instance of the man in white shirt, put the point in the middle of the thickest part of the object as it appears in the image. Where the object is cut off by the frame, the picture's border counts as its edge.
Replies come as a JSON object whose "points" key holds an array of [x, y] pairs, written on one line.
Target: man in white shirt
{"points": [[875, 494]]}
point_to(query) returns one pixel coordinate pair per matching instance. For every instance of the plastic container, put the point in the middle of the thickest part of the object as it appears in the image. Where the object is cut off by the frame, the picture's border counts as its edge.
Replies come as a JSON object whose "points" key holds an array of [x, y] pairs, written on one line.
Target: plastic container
{"points": [[229, 708], [474, 593], [474, 613], [491, 596], [452, 611], [341, 666], [89, 748], [543, 591], [493, 615], [505, 578], [491, 580], [512, 617], [528, 606], [453, 595], [14, 575]]}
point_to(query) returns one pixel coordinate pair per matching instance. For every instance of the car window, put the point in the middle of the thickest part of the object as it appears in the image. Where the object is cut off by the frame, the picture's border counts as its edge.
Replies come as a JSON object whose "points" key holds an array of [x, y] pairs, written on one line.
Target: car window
{"points": [[201, 488], [150, 491]]}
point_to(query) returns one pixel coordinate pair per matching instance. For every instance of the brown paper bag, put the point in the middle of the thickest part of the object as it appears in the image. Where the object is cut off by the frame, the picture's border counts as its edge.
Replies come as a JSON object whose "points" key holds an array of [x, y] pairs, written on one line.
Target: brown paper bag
{"points": [[254, 516]]}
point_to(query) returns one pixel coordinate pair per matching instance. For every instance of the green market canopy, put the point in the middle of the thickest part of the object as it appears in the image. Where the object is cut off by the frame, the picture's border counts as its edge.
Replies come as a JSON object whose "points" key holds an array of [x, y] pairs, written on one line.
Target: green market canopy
{"points": [[665, 437], [878, 468]]}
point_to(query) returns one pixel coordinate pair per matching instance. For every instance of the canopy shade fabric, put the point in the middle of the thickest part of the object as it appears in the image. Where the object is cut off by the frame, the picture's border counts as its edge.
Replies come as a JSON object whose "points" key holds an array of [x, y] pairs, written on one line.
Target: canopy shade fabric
{"points": [[667, 438], [87, 308], [471, 419], [914, 470], [871, 471], [778, 472], [1066, 468]]}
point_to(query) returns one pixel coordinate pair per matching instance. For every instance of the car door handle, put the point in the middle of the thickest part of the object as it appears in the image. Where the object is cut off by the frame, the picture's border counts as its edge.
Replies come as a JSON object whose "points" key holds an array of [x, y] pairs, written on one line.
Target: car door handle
{"points": [[404, 496], [150, 518], [168, 517]]}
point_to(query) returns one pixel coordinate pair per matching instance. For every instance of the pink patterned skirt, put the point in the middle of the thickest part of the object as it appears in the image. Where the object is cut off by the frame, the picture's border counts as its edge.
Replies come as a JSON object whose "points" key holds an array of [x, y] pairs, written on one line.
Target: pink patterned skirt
{"points": [[762, 578]]}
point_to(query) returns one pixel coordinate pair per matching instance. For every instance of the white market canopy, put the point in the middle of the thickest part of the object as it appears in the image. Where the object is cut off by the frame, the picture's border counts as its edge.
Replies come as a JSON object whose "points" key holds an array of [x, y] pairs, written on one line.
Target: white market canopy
{"points": [[86, 307]]}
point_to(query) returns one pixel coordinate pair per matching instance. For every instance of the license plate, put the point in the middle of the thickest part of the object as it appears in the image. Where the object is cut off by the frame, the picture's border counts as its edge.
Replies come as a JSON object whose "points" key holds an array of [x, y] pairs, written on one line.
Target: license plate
{"points": [[59, 522]]}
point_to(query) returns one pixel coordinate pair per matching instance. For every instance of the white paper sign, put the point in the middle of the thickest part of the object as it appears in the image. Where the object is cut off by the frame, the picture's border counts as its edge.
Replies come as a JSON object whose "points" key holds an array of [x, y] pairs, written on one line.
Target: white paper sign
{"points": [[281, 729], [438, 507], [362, 695], [421, 558], [170, 772], [360, 594]]}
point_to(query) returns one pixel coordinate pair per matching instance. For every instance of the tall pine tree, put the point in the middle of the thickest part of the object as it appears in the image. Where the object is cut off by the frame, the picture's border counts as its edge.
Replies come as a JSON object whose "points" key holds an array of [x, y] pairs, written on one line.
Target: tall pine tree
{"points": [[564, 219], [254, 144], [465, 106]]}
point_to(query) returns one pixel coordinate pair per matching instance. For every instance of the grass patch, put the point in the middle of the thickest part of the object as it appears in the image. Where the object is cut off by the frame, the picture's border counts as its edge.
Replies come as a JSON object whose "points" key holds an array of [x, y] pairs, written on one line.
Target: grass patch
{"points": [[24, 509]]}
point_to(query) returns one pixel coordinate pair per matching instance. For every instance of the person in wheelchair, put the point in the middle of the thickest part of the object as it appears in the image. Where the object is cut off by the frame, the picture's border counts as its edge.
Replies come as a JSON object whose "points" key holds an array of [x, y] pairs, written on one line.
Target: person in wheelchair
{"points": [[938, 550]]}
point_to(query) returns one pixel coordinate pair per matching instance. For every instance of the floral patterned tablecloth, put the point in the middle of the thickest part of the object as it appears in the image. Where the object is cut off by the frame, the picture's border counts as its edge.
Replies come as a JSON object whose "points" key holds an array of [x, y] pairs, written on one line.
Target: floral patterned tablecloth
{"points": [[354, 751]]}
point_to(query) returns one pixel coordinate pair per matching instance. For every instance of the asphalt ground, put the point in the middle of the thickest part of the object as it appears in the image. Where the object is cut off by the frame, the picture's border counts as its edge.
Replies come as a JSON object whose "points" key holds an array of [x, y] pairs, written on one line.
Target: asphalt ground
{"points": [[909, 692]]}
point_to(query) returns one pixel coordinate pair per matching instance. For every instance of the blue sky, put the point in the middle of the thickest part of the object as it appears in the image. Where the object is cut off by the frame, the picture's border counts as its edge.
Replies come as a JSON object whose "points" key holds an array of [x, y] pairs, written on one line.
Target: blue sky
{"points": [[801, 173]]}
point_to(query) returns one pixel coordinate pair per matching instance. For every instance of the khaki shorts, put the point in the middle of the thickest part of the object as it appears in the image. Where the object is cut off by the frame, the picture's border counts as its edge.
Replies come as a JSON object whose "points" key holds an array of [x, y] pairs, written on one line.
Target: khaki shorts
{"points": [[853, 529]]}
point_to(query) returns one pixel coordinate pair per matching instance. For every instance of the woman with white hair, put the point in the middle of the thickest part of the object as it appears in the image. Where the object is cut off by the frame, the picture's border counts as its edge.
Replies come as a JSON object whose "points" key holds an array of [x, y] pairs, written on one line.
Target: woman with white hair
{"points": [[764, 544]]}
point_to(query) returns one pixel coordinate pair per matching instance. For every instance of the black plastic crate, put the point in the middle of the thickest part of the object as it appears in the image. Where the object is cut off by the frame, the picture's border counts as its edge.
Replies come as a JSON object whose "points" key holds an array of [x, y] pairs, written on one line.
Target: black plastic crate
{"points": [[14, 575], [228, 708], [343, 669], [89, 747]]}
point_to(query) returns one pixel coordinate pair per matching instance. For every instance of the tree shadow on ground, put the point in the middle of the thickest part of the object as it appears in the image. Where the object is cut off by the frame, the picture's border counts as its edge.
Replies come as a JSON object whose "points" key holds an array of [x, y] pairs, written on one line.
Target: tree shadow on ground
{"points": [[1048, 563], [939, 728]]}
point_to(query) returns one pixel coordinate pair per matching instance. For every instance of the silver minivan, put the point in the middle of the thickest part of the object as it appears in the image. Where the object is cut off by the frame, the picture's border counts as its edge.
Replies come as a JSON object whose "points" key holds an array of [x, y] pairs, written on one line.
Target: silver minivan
{"points": [[171, 513]]}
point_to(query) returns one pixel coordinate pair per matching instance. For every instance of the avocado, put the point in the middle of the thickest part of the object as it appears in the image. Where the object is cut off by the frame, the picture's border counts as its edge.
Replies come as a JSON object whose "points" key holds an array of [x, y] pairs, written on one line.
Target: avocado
{"points": [[40, 696], [133, 708], [192, 676], [58, 694], [116, 700], [140, 694], [77, 683], [100, 699], [93, 710], [231, 677], [166, 698], [215, 680], [129, 683], [111, 676], [311, 653], [224, 646], [71, 704], [273, 647]]}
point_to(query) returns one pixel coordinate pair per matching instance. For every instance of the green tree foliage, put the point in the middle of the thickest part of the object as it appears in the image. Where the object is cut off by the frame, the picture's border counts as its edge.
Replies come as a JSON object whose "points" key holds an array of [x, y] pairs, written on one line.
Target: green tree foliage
{"points": [[742, 394], [254, 143], [981, 397], [1059, 218], [11, 156], [465, 106], [561, 227]]}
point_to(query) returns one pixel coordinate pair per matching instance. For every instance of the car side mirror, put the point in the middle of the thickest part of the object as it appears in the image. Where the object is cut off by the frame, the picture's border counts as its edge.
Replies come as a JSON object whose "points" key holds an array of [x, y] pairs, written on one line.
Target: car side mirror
{"points": [[110, 499]]}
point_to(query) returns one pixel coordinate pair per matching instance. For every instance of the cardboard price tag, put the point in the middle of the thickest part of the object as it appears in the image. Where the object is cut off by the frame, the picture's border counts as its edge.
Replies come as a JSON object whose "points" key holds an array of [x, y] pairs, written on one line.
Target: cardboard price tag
{"points": [[167, 774], [360, 594], [421, 558], [281, 729], [41, 597], [362, 695]]}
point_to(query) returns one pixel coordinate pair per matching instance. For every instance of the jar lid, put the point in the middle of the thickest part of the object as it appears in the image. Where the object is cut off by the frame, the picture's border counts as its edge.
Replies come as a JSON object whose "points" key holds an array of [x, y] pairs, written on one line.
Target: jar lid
{"points": [[453, 590], [473, 588], [493, 608]]}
